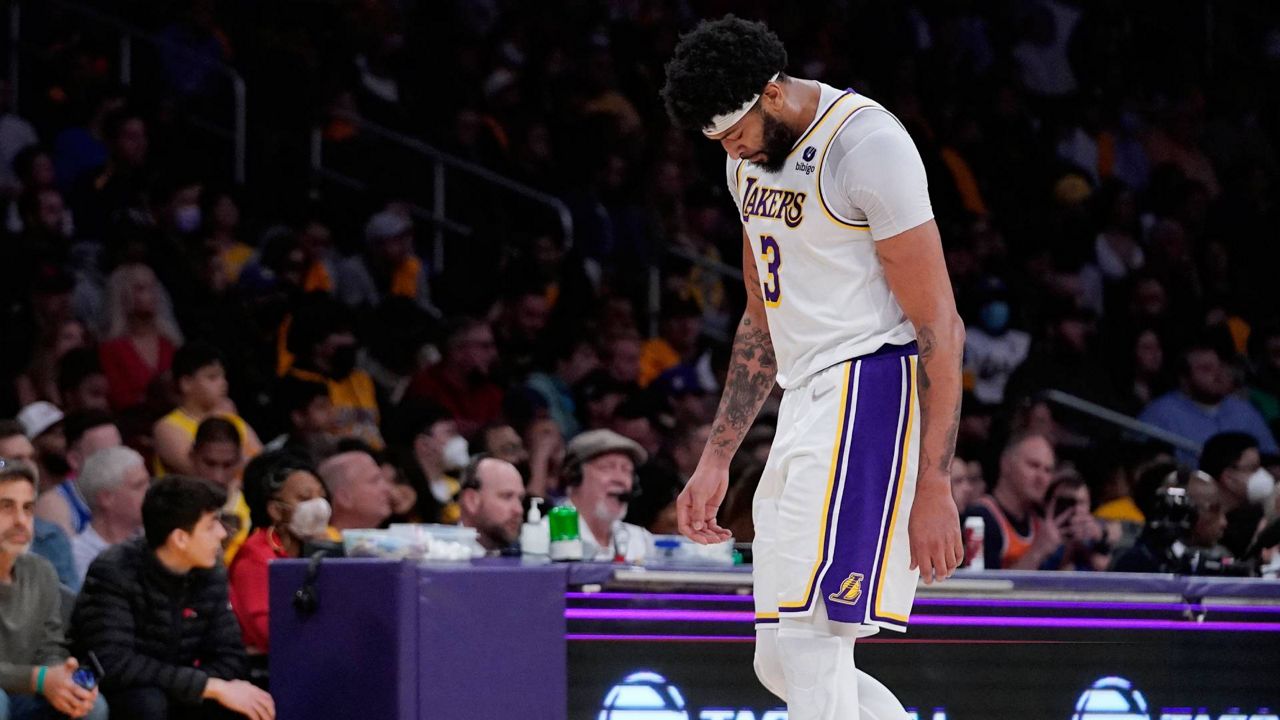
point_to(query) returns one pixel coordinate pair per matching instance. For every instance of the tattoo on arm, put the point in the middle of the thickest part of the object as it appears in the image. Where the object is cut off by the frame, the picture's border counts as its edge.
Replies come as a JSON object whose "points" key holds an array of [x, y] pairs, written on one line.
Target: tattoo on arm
{"points": [[752, 369], [930, 358]]}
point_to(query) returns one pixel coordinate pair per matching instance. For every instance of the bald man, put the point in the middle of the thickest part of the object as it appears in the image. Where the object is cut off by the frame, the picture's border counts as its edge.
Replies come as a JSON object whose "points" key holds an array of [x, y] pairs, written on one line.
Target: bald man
{"points": [[492, 501], [359, 490], [1019, 535]]}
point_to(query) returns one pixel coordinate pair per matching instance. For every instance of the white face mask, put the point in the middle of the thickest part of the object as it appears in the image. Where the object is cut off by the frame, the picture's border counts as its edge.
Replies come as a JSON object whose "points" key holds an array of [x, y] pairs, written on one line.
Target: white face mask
{"points": [[310, 518], [456, 453], [1259, 486]]}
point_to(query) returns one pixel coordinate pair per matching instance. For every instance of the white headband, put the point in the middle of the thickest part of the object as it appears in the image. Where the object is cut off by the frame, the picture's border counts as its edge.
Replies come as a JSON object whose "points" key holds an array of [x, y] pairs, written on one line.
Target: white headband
{"points": [[721, 123]]}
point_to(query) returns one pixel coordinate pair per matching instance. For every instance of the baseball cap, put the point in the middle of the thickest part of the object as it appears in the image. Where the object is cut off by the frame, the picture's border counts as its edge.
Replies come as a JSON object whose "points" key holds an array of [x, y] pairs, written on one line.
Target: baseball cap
{"points": [[594, 443], [10, 468], [38, 417], [386, 225]]}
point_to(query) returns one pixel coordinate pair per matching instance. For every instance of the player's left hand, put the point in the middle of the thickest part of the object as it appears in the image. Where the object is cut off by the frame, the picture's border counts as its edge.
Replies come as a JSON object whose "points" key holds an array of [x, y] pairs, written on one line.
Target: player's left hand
{"points": [[934, 531]]}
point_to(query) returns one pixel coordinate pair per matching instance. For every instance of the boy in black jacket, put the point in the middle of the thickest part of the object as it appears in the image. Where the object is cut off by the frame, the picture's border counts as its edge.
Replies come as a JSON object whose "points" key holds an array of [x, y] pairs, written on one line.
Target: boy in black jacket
{"points": [[155, 610]]}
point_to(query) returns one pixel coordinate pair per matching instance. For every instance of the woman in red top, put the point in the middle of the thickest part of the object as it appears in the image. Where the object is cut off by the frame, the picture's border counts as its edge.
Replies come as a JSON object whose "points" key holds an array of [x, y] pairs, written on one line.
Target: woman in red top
{"points": [[141, 335], [288, 506]]}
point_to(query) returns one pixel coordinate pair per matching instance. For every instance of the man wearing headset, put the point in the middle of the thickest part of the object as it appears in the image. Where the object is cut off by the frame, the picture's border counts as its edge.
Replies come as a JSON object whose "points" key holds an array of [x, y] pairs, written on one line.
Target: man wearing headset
{"points": [[600, 480]]}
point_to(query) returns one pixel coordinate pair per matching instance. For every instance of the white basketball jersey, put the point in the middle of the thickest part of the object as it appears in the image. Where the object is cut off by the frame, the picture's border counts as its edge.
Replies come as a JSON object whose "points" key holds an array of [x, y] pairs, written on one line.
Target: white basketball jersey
{"points": [[853, 178]]}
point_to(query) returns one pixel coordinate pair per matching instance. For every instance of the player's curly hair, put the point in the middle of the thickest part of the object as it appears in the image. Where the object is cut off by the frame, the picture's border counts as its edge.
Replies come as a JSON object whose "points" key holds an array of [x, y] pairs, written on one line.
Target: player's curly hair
{"points": [[717, 67]]}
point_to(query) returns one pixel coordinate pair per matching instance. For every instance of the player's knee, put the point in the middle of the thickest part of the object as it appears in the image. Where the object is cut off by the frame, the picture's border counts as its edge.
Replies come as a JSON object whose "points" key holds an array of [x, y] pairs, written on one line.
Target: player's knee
{"points": [[768, 663], [808, 658]]}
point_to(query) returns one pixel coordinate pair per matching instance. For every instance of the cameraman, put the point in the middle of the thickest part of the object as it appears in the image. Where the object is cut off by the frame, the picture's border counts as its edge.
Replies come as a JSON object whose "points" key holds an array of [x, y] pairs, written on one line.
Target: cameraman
{"points": [[1185, 522]]}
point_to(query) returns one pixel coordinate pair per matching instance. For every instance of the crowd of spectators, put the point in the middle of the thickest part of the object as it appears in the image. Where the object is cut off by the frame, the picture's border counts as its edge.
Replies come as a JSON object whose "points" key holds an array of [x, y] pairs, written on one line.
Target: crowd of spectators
{"points": [[1104, 176]]}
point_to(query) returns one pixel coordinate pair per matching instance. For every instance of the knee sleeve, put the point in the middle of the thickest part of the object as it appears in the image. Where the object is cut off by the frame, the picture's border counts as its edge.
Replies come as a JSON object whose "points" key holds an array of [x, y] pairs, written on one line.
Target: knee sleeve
{"points": [[768, 663], [820, 678], [876, 701]]}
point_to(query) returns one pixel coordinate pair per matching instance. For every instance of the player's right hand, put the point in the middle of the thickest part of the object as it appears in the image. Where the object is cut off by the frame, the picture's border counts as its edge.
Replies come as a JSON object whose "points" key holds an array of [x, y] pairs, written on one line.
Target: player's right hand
{"points": [[698, 505]]}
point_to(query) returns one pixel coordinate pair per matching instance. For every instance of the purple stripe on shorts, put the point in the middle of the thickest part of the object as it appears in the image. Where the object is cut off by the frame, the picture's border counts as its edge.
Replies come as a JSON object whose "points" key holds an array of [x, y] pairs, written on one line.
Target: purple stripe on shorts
{"points": [[869, 473], [899, 465]]}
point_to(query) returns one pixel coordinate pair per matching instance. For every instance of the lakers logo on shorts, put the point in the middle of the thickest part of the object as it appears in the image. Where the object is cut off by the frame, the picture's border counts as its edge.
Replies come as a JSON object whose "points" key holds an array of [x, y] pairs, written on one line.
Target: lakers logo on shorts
{"points": [[850, 590]]}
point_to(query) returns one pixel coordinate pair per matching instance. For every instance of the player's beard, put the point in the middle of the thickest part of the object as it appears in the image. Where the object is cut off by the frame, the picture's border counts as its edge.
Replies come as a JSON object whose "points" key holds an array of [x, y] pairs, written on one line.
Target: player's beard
{"points": [[778, 139]]}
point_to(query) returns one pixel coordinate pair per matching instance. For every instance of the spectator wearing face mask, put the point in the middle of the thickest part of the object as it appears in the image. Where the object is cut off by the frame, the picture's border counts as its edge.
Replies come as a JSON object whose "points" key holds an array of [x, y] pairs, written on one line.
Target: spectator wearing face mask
{"points": [[993, 349], [325, 350], [434, 454], [1233, 461], [289, 507]]}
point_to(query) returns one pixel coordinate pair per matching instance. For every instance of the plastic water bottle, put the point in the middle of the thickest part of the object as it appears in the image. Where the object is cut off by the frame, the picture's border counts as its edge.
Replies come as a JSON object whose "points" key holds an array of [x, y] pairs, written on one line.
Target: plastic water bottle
{"points": [[534, 538], [975, 533], [566, 543]]}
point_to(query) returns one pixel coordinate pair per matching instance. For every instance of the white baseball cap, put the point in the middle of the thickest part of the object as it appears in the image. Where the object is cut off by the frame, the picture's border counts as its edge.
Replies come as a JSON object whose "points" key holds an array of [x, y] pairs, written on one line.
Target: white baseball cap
{"points": [[38, 417]]}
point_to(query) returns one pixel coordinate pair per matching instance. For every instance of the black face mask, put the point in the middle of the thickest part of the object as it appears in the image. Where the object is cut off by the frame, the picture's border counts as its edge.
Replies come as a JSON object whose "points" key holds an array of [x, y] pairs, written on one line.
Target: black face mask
{"points": [[342, 362]]}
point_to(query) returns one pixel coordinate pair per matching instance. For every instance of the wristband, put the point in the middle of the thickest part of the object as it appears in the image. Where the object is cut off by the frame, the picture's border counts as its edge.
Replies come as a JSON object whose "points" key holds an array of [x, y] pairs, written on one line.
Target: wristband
{"points": [[40, 679]]}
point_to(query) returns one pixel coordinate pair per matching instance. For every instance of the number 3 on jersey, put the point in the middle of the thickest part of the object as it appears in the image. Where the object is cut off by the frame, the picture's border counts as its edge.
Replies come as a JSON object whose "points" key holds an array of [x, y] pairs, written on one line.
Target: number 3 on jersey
{"points": [[772, 284]]}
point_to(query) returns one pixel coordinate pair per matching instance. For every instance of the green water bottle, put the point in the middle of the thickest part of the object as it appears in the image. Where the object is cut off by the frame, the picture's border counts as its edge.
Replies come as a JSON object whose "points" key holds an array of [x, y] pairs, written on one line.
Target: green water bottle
{"points": [[566, 543]]}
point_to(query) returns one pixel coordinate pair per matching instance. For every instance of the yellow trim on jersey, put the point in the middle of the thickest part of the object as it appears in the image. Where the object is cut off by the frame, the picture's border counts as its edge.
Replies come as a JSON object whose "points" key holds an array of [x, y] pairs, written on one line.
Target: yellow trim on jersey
{"points": [[897, 503], [821, 119], [822, 160], [836, 461], [737, 187]]}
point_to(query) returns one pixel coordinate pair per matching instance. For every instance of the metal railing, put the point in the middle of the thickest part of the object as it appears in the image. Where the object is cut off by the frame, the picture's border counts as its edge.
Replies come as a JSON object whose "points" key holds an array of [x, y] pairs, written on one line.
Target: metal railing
{"points": [[441, 161], [1120, 420], [127, 34]]}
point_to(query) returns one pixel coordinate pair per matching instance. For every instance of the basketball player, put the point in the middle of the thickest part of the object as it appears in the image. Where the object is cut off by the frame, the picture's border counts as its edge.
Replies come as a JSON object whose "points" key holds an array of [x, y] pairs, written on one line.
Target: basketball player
{"points": [[850, 310]]}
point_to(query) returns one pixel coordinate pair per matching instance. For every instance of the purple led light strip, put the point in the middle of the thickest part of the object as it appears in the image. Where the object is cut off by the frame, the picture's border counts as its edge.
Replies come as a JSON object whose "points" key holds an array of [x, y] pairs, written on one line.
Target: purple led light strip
{"points": [[630, 615], [660, 597], [951, 602], [599, 637], [607, 637]]}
